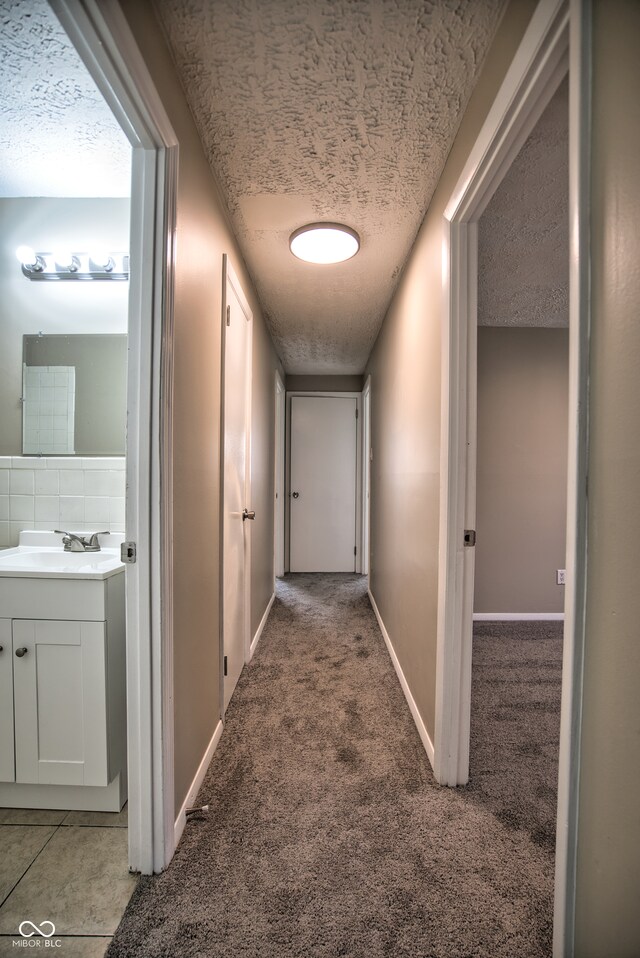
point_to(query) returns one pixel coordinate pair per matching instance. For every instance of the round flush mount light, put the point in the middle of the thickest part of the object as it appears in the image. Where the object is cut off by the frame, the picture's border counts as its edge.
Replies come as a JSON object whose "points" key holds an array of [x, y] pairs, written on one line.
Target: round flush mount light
{"points": [[324, 243]]}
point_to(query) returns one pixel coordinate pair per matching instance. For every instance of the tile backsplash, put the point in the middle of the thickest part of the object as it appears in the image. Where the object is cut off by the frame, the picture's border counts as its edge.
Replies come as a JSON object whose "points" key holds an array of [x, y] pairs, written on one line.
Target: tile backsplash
{"points": [[52, 492]]}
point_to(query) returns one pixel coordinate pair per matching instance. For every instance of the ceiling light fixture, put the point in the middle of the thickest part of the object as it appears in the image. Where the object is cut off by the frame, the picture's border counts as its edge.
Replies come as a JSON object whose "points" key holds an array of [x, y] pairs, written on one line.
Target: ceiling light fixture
{"points": [[324, 243]]}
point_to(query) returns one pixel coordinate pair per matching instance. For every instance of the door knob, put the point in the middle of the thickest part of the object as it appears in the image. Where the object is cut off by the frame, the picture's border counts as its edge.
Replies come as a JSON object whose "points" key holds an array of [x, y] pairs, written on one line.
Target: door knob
{"points": [[248, 515], [296, 495], [21, 652]]}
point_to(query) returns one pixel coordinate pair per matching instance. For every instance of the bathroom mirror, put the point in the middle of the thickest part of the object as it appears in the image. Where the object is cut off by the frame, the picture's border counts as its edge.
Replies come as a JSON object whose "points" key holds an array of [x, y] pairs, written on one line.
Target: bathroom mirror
{"points": [[74, 395]]}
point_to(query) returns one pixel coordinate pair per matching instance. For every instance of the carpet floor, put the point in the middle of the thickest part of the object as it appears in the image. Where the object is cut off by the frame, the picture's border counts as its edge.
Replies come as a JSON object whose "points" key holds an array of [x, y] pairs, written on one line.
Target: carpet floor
{"points": [[327, 834]]}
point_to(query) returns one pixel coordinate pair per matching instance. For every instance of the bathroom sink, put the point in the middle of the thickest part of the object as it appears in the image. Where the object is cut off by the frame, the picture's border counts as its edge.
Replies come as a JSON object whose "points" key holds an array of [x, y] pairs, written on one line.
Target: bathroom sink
{"points": [[34, 559]]}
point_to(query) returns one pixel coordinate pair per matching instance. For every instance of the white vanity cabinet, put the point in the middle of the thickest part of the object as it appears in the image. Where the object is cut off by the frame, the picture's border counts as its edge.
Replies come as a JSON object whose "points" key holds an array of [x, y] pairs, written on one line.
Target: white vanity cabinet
{"points": [[62, 691], [59, 678]]}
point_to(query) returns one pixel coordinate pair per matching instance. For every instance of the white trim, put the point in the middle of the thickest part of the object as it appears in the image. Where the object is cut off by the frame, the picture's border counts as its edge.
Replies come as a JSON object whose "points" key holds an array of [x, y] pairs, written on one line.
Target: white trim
{"points": [[279, 479], [413, 708], [518, 616], [263, 622], [198, 779], [365, 547], [104, 40], [533, 77], [577, 472]]}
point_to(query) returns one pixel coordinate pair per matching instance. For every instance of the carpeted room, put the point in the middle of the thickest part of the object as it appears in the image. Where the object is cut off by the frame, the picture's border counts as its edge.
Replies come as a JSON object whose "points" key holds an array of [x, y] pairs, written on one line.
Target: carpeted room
{"points": [[327, 834]]}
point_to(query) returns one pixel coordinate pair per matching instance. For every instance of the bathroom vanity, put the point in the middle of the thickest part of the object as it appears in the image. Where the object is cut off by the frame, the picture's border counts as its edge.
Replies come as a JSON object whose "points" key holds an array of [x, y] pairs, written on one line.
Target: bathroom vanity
{"points": [[62, 676]]}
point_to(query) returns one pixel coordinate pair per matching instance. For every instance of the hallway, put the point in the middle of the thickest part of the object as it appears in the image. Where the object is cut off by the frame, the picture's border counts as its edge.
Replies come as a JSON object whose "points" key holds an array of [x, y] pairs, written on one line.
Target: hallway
{"points": [[327, 833]]}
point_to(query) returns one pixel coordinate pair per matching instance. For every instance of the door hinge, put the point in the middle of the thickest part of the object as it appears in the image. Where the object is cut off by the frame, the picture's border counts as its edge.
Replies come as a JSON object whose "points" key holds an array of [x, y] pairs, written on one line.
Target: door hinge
{"points": [[224, 666], [128, 552], [357, 413], [228, 316], [355, 550], [469, 537]]}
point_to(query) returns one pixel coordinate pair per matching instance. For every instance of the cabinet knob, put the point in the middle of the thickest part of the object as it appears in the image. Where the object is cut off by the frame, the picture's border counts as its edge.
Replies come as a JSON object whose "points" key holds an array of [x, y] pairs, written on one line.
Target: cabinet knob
{"points": [[1, 648], [21, 652]]}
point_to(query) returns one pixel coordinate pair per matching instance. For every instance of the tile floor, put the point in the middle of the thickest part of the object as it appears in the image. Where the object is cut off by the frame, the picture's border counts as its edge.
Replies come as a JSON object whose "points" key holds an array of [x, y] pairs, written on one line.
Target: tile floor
{"points": [[69, 868]]}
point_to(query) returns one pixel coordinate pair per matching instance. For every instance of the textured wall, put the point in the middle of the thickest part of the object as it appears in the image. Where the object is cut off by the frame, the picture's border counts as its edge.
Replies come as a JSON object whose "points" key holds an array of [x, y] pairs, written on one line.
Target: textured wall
{"points": [[405, 414], [523, 254], [334, 110], [57, 135], [608, 856], [521, 490]]}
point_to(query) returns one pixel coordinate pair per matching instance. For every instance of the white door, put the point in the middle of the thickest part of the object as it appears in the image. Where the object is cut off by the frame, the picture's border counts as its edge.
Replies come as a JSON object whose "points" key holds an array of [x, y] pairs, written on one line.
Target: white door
{"points": [[60, 702], [7, 760], [236, 494], [323, 484]]}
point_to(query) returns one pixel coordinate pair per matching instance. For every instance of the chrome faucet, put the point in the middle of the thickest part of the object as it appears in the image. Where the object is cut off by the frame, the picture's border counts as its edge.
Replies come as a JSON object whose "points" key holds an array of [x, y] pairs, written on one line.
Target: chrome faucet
{"points": [[75, 543]]}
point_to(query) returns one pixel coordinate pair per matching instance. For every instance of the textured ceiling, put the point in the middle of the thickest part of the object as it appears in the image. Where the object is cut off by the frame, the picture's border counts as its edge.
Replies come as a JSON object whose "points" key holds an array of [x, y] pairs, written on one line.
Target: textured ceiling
{"points": [[341, 110], [57, 135], [523, 252]]}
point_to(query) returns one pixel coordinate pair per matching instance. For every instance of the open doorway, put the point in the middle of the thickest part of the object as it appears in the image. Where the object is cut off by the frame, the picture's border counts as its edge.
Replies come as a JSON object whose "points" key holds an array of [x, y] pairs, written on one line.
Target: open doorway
{"points": [[521, 482], [538, 68], [105, 242], [64, 274]]}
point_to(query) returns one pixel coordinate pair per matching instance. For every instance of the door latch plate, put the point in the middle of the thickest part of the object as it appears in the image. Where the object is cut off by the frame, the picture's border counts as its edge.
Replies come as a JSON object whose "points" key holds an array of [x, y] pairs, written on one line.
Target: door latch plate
{"points": [[128, 552]]}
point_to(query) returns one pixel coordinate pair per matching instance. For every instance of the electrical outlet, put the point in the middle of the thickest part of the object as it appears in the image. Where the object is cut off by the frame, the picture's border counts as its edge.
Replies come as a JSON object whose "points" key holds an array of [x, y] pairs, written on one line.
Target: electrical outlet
{"points": [[560, 576]]}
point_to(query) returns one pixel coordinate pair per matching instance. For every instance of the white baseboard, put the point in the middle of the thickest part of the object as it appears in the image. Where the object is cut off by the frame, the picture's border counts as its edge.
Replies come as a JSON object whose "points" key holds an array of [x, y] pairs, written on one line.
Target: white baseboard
{"points": [[263, 622], [196, 783], [417, 718], [518, 616]]}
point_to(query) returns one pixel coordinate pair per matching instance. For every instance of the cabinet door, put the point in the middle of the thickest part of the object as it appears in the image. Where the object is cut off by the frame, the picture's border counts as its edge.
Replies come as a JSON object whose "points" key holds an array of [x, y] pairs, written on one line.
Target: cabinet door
{"points": [[7, 758], [60, 702]]}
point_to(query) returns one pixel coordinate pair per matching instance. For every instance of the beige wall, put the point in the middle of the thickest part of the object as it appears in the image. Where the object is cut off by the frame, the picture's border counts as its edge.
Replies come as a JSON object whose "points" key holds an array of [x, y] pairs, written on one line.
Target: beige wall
{"points": [[405, 412], [328, 384], [521, 469], [608, 863], [203, 235]]}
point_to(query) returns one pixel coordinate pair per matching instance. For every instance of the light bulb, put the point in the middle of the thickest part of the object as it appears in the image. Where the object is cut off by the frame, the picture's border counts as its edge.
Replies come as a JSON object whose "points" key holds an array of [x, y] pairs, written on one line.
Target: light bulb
{"points": [[101, 260], [26, 256], [65, 260]]}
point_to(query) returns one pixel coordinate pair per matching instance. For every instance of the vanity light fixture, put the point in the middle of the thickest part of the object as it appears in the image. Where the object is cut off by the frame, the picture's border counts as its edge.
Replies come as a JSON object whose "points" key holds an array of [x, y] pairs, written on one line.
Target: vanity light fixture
{"points": [[67, 265], [324, 243]]}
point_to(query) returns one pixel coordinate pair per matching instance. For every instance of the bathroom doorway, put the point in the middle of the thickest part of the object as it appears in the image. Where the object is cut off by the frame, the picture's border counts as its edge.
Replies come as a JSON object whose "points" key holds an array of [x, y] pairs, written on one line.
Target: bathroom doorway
{"points": [[107, 223]]}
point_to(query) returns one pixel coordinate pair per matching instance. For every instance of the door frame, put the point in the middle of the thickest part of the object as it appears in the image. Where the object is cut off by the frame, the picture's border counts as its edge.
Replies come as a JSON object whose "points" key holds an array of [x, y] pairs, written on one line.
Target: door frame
{"points": [[230, 276], [279, 479], [100, 33], [557, 39], [366, 476], [327, 395]]}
